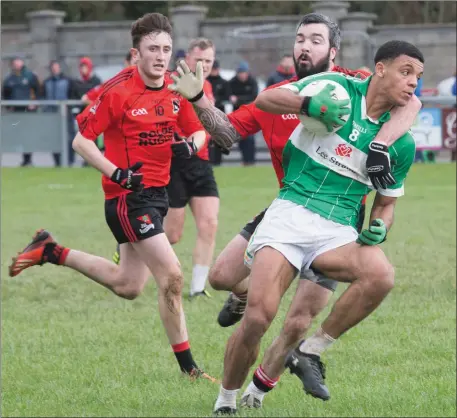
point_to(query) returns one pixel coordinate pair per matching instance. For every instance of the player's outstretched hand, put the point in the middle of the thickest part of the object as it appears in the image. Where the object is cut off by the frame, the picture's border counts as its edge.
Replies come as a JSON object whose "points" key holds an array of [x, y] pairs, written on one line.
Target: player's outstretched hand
{"points": [[378, 166], [374, 235], [186, 83], [129, 178], [329, 111], [182, 148]]}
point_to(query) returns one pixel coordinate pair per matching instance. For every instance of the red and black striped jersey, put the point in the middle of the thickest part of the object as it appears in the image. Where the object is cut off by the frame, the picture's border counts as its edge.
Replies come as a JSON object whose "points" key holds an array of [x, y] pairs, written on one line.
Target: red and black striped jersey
{"points": [[138, 124]]}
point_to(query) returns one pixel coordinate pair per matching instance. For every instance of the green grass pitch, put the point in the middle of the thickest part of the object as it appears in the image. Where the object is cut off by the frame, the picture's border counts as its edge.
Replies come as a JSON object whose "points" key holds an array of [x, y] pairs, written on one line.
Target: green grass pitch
{"points": [[72, 348]]}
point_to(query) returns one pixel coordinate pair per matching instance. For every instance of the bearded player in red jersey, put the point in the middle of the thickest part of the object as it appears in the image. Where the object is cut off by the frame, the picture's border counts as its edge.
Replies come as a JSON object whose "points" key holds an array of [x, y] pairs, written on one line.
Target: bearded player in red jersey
{"points": [[139, 117], [316, 44]]}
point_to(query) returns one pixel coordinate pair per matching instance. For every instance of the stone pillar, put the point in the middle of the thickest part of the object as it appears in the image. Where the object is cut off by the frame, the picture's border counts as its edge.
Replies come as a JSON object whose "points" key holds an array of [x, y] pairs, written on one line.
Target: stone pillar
{"points": [[357, 47], [333, 9], [43, 25], [186, 22]]}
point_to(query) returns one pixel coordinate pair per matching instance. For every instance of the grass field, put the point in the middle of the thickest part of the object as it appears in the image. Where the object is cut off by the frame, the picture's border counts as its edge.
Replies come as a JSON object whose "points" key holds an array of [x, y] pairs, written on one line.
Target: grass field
{"points": [[72, 348]]}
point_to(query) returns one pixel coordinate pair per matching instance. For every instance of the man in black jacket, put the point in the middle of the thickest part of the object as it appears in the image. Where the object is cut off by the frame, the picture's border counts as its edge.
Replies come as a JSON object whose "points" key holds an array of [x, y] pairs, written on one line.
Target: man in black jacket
{"points": [[60, 87], [221, 92], [244, 90], [21, 84]]}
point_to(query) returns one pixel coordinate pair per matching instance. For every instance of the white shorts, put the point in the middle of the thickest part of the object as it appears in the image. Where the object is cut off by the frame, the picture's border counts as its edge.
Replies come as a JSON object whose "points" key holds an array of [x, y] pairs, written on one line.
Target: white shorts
{"points": [[298, 234]]}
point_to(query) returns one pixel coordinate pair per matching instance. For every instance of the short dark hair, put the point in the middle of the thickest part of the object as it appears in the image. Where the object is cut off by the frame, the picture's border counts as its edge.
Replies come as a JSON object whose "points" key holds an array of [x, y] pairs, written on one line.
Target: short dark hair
{"points": [[393, 49], [149, 23], [333, 29]]}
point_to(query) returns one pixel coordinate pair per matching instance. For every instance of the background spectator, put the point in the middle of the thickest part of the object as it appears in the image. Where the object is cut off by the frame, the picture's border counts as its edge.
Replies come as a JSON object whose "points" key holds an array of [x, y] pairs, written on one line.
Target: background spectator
{"points": [[59, 87], [87, 81], [244, 90], [284, 71], [21, 84], [221, 92]]}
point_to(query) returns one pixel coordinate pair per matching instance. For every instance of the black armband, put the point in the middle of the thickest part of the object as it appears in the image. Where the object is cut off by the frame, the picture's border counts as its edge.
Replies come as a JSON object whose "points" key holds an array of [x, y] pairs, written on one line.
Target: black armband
{"points": [[197, 97], [305, 105]]}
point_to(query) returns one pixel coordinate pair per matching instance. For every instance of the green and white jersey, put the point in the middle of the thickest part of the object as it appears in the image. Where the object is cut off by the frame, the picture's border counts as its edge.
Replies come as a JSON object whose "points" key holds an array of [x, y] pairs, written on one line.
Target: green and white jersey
{"points": [[327, 174]]}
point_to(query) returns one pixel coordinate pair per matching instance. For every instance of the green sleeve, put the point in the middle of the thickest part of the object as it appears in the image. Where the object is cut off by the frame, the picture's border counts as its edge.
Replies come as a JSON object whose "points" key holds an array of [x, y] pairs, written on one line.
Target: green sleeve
{"points": [[297, 86], [402, 154]]}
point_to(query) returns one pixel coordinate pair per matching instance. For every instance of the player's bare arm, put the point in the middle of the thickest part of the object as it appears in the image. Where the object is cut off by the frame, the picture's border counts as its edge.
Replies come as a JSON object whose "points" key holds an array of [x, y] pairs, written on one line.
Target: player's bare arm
{"points": [[402, 118], [216, 123], [381, 220], [279, 101], [90, 152], [383, 208]]}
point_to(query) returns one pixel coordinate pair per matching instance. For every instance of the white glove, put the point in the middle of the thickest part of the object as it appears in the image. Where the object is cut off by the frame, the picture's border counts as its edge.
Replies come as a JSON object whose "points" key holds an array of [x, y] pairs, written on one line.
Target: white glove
{"points": [[188, 84]]}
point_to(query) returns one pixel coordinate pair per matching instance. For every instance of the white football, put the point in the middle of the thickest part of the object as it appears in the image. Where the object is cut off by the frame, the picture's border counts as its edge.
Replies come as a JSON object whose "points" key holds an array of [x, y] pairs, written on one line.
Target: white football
{"points": [[313, 125]]}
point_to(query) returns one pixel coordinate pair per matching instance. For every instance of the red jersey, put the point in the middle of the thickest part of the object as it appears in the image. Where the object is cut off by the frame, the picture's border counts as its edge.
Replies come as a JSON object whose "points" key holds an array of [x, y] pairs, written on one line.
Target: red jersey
{"points": [[138, 123], [276, 129]]}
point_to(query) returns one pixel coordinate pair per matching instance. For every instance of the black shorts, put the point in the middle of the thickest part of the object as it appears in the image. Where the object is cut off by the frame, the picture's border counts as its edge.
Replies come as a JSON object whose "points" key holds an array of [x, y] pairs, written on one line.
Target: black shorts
{"points": [[136, 216], [250, 227], [190, 178]]}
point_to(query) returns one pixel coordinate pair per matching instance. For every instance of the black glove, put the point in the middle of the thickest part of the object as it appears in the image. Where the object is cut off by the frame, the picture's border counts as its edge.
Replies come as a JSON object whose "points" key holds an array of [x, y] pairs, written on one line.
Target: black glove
{"points": [[129, 178], [378, 166], [182, 148], [225, 151]]}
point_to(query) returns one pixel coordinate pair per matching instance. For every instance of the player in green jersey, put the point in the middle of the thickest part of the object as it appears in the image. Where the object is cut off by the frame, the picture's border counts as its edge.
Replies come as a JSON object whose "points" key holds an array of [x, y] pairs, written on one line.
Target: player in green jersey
{"points": [[311, 223]]}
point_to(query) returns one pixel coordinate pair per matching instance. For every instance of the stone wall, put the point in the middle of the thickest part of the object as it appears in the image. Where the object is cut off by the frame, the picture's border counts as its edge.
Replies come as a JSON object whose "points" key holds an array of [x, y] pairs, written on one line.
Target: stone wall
{"points": [[259, 40]]}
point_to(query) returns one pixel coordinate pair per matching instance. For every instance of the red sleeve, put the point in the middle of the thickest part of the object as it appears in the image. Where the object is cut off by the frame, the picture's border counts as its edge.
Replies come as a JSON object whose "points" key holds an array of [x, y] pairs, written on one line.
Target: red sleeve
{"points": [[188, 121], [208, 90], [244, 120], [93, 93], [98, 118]]}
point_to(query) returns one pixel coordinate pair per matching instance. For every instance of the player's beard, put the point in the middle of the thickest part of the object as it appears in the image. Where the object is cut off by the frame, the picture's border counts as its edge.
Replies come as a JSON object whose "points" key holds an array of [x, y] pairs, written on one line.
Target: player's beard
{"points": [[310, 69]]}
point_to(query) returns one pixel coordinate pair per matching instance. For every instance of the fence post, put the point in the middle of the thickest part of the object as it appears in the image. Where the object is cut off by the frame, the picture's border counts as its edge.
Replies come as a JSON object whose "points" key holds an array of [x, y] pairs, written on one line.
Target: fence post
{"points": [[64, 132], [186, 22], [43, 26], [333, 9], [357, 48]]}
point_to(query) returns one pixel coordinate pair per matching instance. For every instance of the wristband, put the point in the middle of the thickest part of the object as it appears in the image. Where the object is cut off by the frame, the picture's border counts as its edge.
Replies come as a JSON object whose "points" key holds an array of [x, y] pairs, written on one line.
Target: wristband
{"points": [[305, 105], [197, 97]]}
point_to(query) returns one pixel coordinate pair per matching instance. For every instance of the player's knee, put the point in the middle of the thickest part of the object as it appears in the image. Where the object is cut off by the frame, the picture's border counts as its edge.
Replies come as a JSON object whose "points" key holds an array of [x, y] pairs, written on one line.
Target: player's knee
{"points": [[207, 227], [381, 275], [387, 279], [172, 286], [218, 276], [256, 321], [174, 235], [129, 290]]}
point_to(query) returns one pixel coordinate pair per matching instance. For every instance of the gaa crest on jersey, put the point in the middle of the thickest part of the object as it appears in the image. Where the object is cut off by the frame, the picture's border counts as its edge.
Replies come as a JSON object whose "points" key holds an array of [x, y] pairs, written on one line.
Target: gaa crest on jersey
{"points": [[176, 105]]}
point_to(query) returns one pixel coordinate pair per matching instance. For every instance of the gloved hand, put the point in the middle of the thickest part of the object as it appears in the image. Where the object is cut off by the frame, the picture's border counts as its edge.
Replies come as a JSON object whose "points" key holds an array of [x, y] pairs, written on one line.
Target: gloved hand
{"points": [[322, 107], [182, 148], [225, 151], [378, 166], [374, 235], [129, 178], [186, 83]]}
